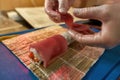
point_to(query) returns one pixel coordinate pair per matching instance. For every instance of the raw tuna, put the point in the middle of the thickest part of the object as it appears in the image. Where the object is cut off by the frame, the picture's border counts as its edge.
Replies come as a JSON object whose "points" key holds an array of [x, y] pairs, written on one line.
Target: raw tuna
{"points": [[50, 48]]}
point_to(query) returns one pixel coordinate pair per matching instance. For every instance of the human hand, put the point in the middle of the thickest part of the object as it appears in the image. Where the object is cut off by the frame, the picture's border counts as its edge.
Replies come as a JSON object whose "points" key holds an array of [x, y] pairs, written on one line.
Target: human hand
{"points": [[108, 14], [52, 7]]}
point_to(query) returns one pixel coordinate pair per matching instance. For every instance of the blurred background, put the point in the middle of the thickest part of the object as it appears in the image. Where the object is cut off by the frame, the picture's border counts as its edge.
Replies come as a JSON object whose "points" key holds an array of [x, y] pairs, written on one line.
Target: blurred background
{"points": [[20, 15], [10, 5]]}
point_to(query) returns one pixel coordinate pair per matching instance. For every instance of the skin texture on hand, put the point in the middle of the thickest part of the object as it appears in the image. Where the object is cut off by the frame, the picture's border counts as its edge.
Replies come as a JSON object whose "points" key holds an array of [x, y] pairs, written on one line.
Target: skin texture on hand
{"points": [[108, 14], [61, 5]]}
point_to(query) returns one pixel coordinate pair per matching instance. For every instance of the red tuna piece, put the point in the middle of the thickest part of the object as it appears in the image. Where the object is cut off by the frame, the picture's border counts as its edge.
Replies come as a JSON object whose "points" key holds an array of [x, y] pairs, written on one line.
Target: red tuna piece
{"points": [[50, 48]]}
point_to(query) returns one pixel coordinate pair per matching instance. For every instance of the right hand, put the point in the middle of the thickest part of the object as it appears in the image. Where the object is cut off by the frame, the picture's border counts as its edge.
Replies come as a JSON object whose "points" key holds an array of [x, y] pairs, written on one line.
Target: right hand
{"points": [[51, 7], [108, 14]]}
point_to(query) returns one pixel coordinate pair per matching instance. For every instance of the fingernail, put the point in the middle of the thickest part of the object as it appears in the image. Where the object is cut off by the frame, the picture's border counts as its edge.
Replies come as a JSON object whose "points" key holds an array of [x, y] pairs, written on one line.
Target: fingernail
{"points": [[62, 10], [56, 18], [71, 32]]}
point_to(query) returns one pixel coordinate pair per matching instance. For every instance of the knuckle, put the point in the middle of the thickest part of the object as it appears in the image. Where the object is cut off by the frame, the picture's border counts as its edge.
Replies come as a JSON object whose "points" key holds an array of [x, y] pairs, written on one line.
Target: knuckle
{"points": [[108, 41], [105, 12], [80, 12], [109, 44], [76, 12], [77, 36]]}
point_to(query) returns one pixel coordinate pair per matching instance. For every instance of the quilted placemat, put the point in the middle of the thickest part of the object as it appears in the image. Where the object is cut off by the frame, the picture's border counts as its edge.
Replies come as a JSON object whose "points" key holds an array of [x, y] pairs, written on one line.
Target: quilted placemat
{"points": [[73, 65]]}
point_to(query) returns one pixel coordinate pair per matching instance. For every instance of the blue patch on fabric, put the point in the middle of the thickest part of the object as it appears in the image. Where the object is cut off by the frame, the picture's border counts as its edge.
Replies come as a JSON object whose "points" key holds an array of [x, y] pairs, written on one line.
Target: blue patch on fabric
{"points": [[107, 67], [11, 68]]}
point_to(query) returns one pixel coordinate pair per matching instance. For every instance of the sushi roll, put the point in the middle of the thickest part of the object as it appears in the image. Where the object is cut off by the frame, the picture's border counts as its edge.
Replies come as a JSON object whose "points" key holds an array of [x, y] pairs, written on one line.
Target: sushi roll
{"points": [[47, 50]]}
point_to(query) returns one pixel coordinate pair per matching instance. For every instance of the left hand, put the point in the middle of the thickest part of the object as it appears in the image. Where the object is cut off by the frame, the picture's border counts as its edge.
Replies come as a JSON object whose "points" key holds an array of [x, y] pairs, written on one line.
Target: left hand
{"points": [[61, 5]]}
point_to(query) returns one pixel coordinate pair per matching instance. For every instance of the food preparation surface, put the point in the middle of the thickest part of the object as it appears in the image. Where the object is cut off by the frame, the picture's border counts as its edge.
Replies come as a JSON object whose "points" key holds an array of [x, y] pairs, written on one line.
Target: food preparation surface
{"points": [[77, 59]]}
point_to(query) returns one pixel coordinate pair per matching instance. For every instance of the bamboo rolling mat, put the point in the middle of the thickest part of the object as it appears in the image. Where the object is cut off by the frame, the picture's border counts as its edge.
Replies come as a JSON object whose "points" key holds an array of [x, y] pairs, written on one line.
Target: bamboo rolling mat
{"points": [[36, 16], [8, 25], [73, 65]]}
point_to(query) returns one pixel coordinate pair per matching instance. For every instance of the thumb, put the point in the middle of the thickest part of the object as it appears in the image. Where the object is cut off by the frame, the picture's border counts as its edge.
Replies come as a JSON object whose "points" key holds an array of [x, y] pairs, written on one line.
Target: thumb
{"points": [[90, 12], [92, 40], [63, 6]]}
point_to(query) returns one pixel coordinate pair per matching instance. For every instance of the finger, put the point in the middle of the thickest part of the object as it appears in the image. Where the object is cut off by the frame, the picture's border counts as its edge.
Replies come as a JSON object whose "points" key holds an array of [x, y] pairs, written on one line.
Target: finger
{"points": [[49, 4], [63, 6], [55, 20], [90, 12], [92, 40]]}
